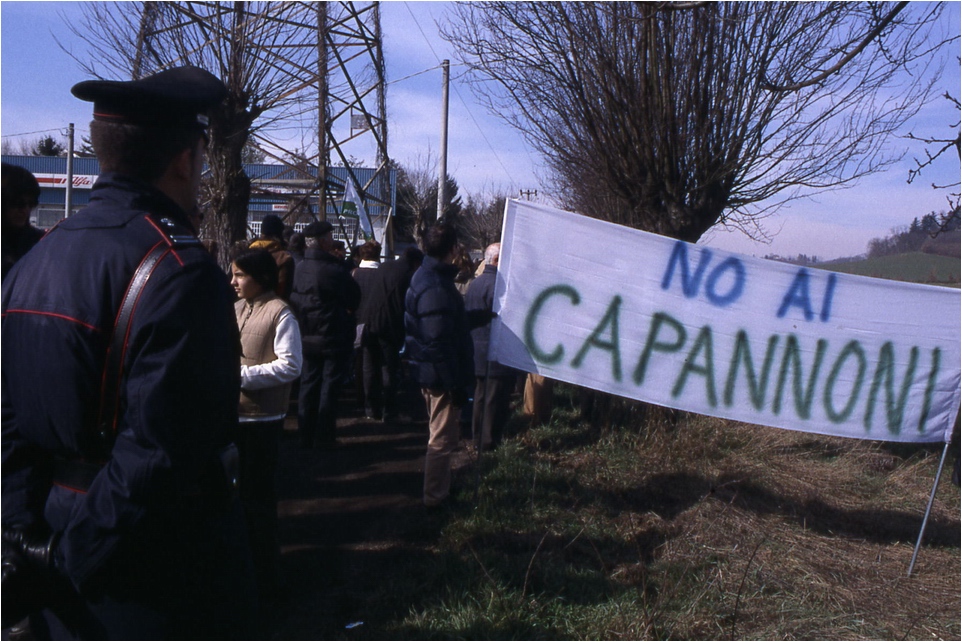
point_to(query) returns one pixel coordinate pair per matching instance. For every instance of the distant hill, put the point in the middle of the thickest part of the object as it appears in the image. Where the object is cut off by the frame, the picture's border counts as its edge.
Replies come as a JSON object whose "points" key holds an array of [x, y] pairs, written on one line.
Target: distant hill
{"points": [[945, 244], [913, 267]]}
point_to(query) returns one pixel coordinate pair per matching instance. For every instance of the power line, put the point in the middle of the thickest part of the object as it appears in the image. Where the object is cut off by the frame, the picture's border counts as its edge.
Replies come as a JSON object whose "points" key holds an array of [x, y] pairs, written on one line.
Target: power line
{"points": [[415, 74], [423, 35], [483, 135], [39, 131], [460, 97]]}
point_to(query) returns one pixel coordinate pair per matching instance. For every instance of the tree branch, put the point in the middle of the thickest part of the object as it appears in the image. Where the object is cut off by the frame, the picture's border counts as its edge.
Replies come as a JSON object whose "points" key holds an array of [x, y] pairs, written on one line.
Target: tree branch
{"points": [[821, 76]]}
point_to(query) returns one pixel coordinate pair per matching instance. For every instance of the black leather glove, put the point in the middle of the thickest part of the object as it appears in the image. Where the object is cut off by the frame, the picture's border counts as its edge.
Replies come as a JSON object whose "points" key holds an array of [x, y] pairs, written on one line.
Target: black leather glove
{"points": [[29, 578]]}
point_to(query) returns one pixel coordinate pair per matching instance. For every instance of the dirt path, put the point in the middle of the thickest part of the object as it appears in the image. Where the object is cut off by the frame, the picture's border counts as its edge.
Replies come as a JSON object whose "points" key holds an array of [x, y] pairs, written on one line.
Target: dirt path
{"points": [[342, 514]]}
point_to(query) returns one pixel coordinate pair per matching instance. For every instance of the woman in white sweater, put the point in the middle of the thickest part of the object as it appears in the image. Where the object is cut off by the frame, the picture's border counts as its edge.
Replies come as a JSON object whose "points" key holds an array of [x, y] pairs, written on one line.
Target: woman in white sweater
{"points": [[270, 362]]}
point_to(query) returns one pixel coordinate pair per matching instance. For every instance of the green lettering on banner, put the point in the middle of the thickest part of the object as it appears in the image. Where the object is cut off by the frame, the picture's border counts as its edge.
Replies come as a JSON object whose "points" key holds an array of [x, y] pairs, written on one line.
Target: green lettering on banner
{"points": [[652, 343], [885, 370], [612, 346], [930, 388], [703, 342], [555, 355], [803, 399], [851, 348], [743, 354]]}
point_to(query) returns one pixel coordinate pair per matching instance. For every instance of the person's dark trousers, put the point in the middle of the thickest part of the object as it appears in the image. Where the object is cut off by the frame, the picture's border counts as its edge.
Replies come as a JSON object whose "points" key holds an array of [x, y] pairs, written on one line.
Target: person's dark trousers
{"points": [[317, 406], [381, 362], [372, 361], [258, 443], [390, 374], [492, 407]]}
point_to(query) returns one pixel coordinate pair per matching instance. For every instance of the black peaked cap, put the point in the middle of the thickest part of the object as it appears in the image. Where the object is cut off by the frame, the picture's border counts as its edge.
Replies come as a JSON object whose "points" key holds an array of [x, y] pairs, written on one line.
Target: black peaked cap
{"points": [[317, 228], [179, 97]]}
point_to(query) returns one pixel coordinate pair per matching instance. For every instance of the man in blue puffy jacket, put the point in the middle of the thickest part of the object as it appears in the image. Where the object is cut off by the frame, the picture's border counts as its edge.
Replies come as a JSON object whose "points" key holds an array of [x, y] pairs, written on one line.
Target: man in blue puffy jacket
{"points": [[441, 354], [120, 383]]}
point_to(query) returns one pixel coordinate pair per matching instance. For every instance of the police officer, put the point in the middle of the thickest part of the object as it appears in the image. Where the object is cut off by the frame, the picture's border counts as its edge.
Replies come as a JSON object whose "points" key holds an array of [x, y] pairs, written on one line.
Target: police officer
{"points": [[118, 417]]}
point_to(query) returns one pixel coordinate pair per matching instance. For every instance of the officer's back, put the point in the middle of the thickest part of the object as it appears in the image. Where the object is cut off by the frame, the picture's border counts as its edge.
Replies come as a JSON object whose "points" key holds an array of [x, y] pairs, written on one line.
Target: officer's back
{"points": [[117, 472]]}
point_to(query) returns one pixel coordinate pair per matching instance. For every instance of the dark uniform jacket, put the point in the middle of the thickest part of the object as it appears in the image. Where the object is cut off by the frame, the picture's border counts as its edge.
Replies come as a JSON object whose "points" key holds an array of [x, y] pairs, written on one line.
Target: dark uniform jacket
{"points": [[383, 310], [324, 299], [366, 279], [155, 516], [479, 303], [438, 337]]}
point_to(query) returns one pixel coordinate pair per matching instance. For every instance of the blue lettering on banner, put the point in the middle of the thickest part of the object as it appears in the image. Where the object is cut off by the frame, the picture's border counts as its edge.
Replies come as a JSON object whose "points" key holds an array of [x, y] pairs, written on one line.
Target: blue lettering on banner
{"points": [[799, 296], [691, 282]]}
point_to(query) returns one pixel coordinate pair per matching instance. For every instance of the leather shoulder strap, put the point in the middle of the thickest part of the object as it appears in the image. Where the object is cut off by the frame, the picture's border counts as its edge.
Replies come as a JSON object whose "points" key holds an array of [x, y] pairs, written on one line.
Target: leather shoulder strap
{"points": [[177, 235], [174, 236]]}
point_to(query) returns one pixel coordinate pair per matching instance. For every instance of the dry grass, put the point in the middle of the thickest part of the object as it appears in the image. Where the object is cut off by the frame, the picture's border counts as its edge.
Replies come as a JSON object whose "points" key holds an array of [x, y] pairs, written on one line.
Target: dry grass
{"points": [[706, 529], [769, 534], [809, 537]]}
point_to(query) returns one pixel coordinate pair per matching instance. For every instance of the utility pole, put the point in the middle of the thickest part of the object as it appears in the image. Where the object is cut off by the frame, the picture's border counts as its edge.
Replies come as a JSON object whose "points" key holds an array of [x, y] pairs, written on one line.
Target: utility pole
{"points": [[68, 197], [526, 194], [443, 161]]}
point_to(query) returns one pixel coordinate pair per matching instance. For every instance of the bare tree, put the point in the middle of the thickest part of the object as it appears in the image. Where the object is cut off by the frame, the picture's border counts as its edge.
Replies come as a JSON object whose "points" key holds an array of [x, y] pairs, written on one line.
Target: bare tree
{"points": [[935, 148], [266, 53], [417, 197], [674, 117], [482, 217]]}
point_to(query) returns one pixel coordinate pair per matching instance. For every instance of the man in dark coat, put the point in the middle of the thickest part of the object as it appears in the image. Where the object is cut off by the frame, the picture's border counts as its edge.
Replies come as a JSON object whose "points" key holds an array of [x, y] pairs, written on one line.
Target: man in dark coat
{"points": [[324, 298], [21, 193], [368, 357], [440, 352], [120, 514], [493, 382], [383, 316]]}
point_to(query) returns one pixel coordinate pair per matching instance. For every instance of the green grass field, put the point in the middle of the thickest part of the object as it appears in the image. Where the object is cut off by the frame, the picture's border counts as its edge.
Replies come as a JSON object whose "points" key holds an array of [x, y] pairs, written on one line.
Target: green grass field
{"points": [[702, 529], [915, 267]]}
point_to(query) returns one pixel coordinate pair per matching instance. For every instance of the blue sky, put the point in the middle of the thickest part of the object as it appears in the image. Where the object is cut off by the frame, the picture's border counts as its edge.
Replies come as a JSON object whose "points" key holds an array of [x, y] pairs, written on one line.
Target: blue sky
{"points": [[484, 153]]}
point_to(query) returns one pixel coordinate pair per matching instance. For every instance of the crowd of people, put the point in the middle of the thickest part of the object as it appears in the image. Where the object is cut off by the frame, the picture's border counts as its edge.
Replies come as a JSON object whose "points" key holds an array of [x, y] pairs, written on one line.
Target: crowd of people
{"points": [[356, 316], [145, 391]]}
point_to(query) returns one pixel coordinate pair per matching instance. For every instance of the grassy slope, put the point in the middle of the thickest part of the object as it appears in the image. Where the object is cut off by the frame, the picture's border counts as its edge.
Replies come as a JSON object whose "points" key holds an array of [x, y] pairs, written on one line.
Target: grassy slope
{"points": [[915, 267], [708, 530]]}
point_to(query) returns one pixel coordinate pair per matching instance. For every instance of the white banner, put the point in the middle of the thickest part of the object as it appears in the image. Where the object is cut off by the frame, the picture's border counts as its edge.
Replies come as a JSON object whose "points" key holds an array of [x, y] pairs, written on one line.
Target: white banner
{"points": [[699, 329]]}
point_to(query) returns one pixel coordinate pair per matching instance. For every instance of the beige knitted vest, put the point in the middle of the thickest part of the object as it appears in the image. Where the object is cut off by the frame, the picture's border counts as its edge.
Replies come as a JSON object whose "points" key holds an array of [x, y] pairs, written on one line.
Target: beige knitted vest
{"points": [[258, 323]]}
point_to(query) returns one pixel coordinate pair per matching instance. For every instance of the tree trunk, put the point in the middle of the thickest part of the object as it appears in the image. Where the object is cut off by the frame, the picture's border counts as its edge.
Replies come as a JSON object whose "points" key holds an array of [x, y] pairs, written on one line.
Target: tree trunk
{"points": [[229, 187]]}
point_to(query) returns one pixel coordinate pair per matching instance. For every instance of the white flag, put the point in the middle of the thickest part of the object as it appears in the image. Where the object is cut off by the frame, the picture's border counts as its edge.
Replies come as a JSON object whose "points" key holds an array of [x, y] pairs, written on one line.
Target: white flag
{"points": [[353, 206]]}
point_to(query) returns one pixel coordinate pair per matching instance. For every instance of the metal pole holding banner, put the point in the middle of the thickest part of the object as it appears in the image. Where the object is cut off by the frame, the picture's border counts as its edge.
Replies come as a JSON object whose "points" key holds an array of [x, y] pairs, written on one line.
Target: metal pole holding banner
{"points": [[928, 509]]}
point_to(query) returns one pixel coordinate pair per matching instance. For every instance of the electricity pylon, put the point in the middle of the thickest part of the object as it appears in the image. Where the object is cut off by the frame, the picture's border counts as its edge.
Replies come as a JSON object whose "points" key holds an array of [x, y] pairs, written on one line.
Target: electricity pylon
{"points": [[310, 79]]}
